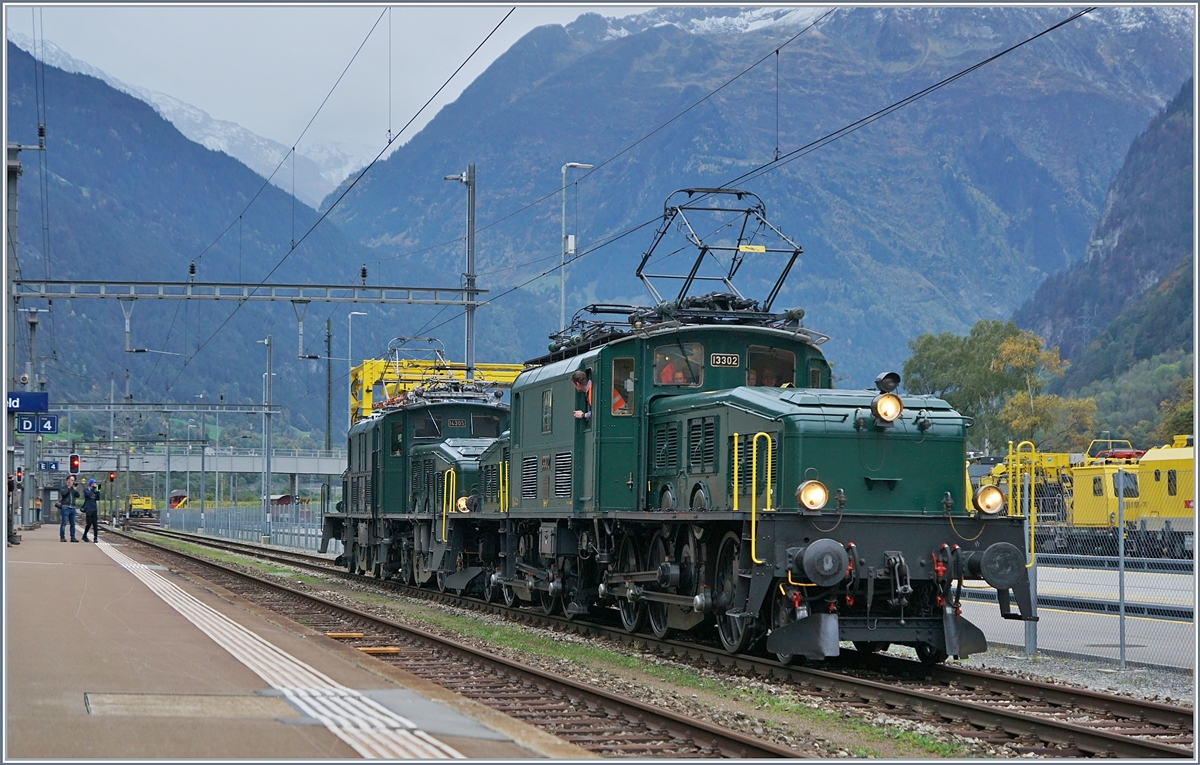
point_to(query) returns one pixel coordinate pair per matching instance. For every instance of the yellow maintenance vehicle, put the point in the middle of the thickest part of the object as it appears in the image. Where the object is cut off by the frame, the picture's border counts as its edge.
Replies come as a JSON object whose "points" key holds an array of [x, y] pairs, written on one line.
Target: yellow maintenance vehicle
{"points": [[380, 383], [139, 506], [1076, 496]]}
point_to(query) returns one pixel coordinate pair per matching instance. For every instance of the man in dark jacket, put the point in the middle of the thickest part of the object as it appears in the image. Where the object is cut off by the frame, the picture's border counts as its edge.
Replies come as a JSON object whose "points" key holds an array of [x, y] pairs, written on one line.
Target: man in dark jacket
{"points": [[91, 512], [67, 497]]}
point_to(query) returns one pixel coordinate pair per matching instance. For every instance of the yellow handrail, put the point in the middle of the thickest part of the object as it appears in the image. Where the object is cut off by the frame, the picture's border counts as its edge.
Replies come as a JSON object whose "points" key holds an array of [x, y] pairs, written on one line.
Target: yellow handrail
{"points": [[449, 488], [1017, 468], [736, 462], [503, 487], [754, 491]]}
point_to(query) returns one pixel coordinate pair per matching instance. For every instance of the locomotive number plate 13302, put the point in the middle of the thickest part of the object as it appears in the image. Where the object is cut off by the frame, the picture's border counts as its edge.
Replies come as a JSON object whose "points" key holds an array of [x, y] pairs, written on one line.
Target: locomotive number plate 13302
{"points": [[725, 360]]}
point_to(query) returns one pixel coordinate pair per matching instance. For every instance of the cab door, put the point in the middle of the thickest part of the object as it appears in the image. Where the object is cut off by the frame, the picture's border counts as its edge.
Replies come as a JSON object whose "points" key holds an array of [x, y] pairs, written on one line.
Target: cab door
{"points": [[617, 426]]}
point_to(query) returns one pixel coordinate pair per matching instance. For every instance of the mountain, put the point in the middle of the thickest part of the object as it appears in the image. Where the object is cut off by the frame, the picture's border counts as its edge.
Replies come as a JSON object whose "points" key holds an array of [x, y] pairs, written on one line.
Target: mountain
{"points": [[132, 198], [319, 167], [1132, 296], [952, 209]]}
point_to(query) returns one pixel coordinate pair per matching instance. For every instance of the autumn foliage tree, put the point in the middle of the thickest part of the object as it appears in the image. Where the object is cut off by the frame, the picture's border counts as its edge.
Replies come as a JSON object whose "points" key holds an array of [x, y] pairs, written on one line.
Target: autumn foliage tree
{"points": [[996, 375]]}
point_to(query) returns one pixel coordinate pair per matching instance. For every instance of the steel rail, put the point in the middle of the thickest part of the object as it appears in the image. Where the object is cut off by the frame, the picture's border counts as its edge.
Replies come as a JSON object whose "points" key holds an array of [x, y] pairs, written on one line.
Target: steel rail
{"points": [[1014, 722], [729, 743]]}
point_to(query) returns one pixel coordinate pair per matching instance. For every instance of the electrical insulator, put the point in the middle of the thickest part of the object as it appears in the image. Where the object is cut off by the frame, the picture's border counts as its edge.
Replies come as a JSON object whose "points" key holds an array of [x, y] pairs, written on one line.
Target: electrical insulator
{"points": [[192, 271], [363, 274], [73, 464]]}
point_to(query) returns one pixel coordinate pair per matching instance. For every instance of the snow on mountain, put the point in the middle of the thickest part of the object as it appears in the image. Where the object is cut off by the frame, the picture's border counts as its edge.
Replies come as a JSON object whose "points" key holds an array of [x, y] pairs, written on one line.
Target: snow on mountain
{"points": [[319, 167]]}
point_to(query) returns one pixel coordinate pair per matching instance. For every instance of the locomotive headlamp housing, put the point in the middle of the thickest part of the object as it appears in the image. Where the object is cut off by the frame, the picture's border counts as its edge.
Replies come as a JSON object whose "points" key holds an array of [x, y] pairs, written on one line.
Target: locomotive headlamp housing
{"points": [[887, 382], [887, 407], [989, 500], [812, 495], [461, 504]]}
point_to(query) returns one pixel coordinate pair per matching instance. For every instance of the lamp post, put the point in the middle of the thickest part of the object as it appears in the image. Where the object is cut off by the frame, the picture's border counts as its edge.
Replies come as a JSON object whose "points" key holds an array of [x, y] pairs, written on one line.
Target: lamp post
{"points": [[350, 356], [188, 484], [562, 271], [468, 178], [267, 442], [203, 449]]}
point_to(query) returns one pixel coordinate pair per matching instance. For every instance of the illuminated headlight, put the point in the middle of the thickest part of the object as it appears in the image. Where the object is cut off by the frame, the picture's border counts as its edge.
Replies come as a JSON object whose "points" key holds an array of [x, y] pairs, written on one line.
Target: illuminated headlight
{"points": [[989, 500], [812, 495], [462, 505], [887, 407]]}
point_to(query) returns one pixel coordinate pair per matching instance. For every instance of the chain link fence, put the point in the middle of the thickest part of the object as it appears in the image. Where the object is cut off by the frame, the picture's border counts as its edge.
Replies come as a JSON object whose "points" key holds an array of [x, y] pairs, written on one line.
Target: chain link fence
{"points": [[1114, 567], [297, 526]]}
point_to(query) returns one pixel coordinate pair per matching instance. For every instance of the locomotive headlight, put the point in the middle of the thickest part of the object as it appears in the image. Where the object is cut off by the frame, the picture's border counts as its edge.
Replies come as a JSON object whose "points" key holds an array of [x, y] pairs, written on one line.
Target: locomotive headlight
{"points": [[989, 500], [887, 407], [812, 495], [461, 504]]}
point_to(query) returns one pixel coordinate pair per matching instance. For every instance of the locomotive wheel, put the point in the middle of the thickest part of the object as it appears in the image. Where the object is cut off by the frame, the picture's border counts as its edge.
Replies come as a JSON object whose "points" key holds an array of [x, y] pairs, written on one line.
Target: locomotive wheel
{"points": [[510, 597], [871, 646], [491, 592], [441, 581], [734, 635], [930, 655], [406, 567], [633, 615], [569, 572], [657, 612], [783, 613], [549, 603]]}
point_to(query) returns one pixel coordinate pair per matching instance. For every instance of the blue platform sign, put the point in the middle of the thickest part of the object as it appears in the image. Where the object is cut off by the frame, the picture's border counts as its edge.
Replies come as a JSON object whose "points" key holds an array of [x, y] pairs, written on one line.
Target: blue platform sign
{"points": [[26, 423], [48, 424], [51, 467], [28, 401]]}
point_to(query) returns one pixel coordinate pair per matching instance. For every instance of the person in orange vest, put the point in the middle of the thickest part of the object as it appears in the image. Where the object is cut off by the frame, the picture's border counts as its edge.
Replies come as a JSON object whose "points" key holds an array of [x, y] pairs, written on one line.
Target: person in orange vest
{"points": [[583, 384]]}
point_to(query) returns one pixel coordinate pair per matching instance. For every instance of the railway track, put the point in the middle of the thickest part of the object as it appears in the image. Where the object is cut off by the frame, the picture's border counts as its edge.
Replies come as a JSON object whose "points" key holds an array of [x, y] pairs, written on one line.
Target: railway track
{"points": [[1026, 715], [589, 717]]}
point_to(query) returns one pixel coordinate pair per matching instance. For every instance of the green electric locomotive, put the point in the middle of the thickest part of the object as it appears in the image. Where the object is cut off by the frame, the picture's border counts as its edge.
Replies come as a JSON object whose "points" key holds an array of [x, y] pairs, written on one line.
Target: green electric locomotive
{"points": [[412, 463], [691, 466]]}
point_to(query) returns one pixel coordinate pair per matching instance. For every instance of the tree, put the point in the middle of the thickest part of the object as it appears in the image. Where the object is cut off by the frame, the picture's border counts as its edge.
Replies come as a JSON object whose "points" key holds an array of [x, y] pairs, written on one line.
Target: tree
{"points": [[1178, 413], [963, 371]]}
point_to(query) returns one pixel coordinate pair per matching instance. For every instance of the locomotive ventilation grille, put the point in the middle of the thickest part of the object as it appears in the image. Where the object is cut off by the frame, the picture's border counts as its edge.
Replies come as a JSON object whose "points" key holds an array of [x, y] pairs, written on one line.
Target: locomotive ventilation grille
{"points": [[666, 447], [745, 462], [428, 474], [702, 445], [416, 477], [529, 477], [441, 486], [491, 482], [562, 474]]}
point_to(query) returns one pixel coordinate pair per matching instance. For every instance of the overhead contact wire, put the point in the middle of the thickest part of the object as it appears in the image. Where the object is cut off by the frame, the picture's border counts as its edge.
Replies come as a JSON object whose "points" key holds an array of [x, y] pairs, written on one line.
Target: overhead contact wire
{"points": [[352, 184]]}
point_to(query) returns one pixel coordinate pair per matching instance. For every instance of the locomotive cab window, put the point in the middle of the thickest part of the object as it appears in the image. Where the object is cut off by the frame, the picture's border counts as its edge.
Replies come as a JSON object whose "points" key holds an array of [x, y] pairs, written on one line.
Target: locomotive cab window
{"points": [[680, 364], [397, 438], [485, 426], [427, 425], [1130, 484], [547, 410], [622, 392], [770, 367]]}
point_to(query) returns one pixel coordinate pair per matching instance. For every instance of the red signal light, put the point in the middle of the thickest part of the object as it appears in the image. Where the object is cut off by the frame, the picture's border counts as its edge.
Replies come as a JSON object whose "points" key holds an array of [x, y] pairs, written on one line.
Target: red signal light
{"points": [[20, 475], [74, 464], [112, 476]]}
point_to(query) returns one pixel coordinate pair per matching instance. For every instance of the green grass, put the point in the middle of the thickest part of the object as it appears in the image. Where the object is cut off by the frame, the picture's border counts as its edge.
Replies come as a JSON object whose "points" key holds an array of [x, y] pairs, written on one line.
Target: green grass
{"points": [[224, 557]]}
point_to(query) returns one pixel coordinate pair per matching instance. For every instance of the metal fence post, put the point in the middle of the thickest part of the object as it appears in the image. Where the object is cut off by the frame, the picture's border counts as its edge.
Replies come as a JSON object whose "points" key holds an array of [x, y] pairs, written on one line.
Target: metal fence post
{"points": [[1121, 559], [1030, 627]]}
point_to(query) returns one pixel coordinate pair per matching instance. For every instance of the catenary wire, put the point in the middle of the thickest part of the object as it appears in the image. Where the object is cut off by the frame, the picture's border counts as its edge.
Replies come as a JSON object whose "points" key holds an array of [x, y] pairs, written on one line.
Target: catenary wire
{"points": [[331, 207]]}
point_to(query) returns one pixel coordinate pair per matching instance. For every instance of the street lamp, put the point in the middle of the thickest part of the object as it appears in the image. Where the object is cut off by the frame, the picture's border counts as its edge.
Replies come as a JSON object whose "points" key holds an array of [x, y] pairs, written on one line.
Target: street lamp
{"points": [[562, 271]]}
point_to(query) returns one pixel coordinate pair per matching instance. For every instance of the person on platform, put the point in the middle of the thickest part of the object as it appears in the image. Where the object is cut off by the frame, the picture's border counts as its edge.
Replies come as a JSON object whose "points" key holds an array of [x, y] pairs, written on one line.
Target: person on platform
{"points": [[583, 384], [91, 512], [9, 511], [66, 509]]}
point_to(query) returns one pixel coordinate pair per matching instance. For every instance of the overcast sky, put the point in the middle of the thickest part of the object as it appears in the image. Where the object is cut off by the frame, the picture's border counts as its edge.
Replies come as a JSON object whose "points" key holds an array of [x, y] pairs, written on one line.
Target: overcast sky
{"points": [[269, 68]]}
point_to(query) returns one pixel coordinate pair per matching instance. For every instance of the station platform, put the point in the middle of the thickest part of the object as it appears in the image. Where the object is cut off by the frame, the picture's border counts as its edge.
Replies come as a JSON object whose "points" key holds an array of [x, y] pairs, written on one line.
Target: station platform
{"points": [[113, 657]]}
